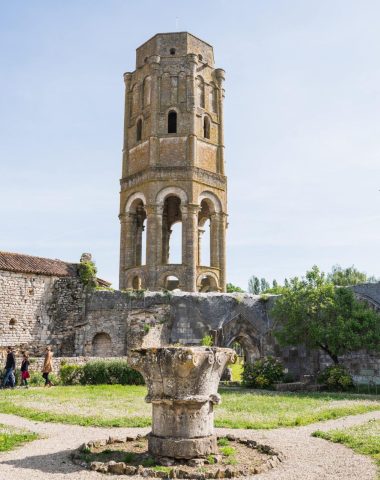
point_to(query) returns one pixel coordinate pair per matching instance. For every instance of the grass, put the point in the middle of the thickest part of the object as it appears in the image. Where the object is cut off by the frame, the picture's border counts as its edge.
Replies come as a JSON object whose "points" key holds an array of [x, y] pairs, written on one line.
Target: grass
{"points": [[363, 439], [123, 406], [237, 370], [11, 438]]}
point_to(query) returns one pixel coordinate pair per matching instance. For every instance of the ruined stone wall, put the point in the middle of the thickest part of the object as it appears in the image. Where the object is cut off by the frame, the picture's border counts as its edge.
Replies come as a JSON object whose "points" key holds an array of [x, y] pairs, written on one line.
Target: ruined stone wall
{"points": [[24, 303], [80, 323]]}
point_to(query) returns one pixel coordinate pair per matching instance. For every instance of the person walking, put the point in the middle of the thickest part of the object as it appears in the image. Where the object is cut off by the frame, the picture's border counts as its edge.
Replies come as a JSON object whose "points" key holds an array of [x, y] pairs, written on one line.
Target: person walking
{"points": [[25, 369], [48, 366], [10, 366]]}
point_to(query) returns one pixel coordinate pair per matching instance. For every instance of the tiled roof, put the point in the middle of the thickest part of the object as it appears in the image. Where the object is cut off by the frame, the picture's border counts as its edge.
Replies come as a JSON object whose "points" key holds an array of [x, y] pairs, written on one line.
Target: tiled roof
{"points": [[16, 262]]}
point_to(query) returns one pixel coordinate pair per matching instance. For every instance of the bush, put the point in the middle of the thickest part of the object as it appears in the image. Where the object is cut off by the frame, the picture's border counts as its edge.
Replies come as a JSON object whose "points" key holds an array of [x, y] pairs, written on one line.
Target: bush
{"points": [[87, 273], [207, 341], [336, 377], [71, 374], [262, 373], [100, 372]]}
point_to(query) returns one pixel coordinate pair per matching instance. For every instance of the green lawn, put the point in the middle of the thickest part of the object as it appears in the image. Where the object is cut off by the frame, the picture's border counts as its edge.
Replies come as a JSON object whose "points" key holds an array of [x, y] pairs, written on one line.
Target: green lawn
{"points": [[363, 438], [10, 437], [120, 406]]}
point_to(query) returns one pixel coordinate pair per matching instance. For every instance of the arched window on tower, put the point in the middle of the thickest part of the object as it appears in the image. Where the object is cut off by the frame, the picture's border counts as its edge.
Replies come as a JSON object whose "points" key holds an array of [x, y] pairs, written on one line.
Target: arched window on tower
{"points": [[206, 127], [139, 130], [172, 122]]}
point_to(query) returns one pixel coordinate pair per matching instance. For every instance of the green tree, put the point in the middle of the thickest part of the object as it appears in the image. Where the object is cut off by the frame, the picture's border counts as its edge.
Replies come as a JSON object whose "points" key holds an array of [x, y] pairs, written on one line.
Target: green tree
{"points": [[314, 312], [254, 285], [231, 288], [348, 276], [264, 285]]}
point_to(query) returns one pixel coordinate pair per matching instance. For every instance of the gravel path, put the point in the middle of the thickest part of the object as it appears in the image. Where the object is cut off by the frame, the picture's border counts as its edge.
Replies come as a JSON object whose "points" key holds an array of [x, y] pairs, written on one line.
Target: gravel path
{"points": [[306, 458]]}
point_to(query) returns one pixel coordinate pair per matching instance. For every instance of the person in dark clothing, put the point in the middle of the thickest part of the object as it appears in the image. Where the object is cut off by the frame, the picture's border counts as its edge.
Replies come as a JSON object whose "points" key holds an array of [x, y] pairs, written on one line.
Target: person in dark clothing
{"points": [[25, 369], [10, 366]]}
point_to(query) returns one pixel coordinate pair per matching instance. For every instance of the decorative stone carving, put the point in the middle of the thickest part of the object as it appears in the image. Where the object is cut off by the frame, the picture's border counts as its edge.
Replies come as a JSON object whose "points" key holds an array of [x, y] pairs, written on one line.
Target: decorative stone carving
{"points": [[182, 387]]}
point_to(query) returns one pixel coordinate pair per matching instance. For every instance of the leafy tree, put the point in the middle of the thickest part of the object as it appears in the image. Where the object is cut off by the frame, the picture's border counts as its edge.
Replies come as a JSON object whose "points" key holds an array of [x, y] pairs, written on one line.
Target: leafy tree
{"points": [[348, 276], [312, 311], [264, 285], [254, 285], [231, 288]]}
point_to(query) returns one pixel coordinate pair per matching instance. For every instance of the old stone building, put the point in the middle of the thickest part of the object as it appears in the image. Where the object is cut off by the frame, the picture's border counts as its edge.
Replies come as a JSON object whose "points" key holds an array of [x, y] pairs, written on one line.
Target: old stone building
{"points": [[172, 175], [173, 166]]}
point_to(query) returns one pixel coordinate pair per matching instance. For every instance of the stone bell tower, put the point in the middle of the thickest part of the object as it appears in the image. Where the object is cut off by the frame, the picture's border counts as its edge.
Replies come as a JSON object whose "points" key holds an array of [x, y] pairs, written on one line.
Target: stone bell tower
{"points": [[173, 166]]}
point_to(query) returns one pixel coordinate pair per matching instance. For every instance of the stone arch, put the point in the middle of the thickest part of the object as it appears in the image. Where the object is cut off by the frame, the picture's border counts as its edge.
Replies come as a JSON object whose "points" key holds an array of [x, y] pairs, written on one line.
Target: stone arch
{"points": [[102, 345], [213, 201], [131, 199], [171, 191], [240, 330], [136, 280], [137, 216], [206, 127], [139, 129], [212, 284], [172, 121], [164, 277]]}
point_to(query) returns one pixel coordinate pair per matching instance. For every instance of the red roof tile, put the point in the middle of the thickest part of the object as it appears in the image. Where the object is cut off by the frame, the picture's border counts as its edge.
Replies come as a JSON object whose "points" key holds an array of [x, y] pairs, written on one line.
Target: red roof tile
{"points": [[16, 262]]}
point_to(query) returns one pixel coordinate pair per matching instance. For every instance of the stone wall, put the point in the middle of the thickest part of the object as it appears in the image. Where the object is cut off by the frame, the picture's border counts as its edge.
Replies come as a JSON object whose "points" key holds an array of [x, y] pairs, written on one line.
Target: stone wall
{"points": [[24, 305], [102, 323]]}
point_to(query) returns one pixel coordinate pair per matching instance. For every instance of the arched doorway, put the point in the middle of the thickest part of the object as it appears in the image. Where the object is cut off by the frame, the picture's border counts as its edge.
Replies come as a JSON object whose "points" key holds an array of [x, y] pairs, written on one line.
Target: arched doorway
{"points": [[102, 345]]}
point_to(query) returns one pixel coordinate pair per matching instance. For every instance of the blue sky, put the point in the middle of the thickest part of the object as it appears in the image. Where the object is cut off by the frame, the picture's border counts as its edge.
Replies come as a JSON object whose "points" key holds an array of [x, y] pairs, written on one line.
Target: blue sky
{"points": [[302, 127]]}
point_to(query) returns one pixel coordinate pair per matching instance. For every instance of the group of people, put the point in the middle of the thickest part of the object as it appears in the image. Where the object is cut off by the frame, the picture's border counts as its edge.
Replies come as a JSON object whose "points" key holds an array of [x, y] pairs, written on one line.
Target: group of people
{"points": [[10, 368]]}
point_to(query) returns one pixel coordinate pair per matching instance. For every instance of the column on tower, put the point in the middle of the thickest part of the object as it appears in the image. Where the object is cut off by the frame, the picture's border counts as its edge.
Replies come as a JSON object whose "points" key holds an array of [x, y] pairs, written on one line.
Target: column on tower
{"points": [[126, 246], [190, 244]]}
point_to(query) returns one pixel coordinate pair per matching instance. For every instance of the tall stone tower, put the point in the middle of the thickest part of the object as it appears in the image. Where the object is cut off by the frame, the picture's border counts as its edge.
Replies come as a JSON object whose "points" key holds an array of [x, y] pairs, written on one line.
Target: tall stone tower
{"points": [[173, 167]]}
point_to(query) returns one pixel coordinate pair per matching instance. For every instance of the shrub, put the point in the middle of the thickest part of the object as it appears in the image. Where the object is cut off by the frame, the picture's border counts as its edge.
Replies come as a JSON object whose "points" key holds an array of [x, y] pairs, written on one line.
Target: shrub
{"points": [[207, 341], [262, 373], [71, 374], [87, 273], [109, 372], [336, 377]]}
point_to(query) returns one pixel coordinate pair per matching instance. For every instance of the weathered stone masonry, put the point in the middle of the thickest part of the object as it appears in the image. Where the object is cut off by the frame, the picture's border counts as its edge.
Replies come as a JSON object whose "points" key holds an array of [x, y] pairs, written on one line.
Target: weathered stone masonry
{"points": [[173, 166], [82, 324]]}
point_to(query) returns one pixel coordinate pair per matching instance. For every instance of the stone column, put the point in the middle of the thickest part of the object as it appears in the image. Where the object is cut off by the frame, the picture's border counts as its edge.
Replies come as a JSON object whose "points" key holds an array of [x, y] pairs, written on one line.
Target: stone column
{"points": [[214, 241], [189, 245], [126, 246], [220, 76], [222, 249], [151, 236], [127, 82], [201, 231], [138, 243], [182, 386]]}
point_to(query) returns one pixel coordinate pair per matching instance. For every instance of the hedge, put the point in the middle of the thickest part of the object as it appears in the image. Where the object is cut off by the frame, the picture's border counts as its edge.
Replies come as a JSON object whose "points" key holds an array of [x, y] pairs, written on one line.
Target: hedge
{"points": [[100, 372]]}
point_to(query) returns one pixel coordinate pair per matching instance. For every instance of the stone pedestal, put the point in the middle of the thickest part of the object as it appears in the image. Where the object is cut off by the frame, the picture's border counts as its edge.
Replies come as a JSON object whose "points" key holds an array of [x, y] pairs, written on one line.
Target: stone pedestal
{"points": [[182, 387]]}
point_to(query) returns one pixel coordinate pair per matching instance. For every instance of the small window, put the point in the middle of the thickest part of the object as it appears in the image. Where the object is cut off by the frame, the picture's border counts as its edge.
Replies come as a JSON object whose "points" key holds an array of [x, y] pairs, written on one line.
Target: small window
{"points": [[206, 127], [12, 322], [172, 122], [139, 130], [172, 51], [200, 58]]}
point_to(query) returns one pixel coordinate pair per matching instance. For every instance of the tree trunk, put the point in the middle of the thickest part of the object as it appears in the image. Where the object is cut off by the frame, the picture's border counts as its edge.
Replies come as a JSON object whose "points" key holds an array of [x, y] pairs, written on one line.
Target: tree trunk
{"points": [[333, 357]]}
